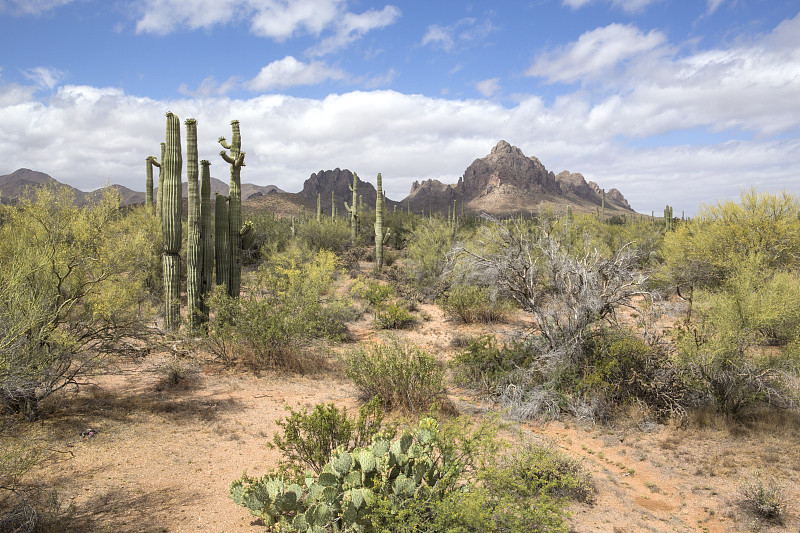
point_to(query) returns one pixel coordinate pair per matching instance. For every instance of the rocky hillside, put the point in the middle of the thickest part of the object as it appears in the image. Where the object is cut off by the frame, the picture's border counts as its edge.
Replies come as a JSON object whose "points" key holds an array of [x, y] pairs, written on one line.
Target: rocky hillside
{"points": [[506, 181]]}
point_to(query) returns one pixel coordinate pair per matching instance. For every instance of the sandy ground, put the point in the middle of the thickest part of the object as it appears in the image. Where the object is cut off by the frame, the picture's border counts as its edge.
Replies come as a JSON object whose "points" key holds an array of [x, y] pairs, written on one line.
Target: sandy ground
{"points": [[164, 455]]}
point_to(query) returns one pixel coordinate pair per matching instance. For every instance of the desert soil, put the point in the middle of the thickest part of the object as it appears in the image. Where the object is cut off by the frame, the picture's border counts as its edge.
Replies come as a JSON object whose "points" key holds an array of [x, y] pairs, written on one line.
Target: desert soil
{"points": [[164, 454]]}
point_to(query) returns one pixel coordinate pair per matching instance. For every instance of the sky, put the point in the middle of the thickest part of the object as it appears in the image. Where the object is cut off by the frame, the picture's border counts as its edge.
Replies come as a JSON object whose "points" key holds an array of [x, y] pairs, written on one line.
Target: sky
{"points": [[678, 102]]}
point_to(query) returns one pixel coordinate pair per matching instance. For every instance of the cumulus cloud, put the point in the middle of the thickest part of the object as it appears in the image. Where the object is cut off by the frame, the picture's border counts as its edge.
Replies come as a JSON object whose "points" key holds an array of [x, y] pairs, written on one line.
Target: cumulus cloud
{"points": [[595, 53], [289, 72], [278, 20]]}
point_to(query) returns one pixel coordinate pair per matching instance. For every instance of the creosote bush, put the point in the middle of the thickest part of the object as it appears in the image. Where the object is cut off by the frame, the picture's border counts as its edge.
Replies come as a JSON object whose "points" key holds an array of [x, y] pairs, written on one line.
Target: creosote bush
{"points": [[309, 438], [471, 304], [402, 375], [763, 498]]}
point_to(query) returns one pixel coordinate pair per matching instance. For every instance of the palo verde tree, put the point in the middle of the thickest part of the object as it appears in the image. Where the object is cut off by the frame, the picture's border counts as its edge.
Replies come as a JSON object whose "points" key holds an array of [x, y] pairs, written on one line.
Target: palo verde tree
{"points": [[73, 283]]}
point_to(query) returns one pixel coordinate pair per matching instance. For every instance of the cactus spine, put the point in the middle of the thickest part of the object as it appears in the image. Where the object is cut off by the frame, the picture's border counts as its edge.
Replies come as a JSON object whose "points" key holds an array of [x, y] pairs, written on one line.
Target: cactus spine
{"points": [[236, 161], [150, 162], [171, 222], [353, 209], [380, 236], [194, 260], [222, 241], [160, 195], [206, 249]]}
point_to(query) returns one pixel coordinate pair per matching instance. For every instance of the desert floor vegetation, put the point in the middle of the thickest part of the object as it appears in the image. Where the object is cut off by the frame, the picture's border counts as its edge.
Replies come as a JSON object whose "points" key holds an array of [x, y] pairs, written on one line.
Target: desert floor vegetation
{"points": [[542, 373]]}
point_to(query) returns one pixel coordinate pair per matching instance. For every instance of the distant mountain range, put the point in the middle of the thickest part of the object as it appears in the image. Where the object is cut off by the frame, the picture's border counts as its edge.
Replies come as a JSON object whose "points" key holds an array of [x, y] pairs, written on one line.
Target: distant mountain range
{"points": [[503, 182], [13, 185]]}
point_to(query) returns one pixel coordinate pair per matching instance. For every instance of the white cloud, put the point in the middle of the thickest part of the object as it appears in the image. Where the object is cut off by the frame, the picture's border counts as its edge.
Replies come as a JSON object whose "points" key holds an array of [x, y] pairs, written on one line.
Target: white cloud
{"points": [[30, 7], [595, 54], [629, 6], [488, 87], [351, 27], [713, 5], [209, 87], [278, 20], [45, 77], [464, 32], [289, 72]]}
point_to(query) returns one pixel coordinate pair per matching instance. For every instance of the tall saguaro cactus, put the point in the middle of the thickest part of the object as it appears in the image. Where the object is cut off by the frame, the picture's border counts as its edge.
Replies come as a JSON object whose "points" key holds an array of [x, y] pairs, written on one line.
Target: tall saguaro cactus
{"points": [[160, 197], [380, 236], [353, 209], [194, 261], [319, 207], [206, 249], [171, 222], [236, 160], [150, 162], [222, 242], [333, 204]]}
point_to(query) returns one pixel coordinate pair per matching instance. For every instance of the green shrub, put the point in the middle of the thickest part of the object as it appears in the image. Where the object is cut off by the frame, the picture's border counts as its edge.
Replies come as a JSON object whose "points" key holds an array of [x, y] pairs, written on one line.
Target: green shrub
{"points": [[327, 234], [309, 439], [282, 311], [402, 375], [372, 291], [438, 477], [763, 498], [620, 368], [472, 304], [393, 315], [487, 365]]}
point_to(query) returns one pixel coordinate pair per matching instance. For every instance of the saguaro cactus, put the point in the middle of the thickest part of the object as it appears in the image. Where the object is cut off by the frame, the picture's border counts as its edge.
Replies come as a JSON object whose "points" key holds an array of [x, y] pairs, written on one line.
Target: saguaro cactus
{"points": [[236, 161], [319, 207], [333, 204], [150, 162], [160, 194], [353, 209], [194, 260], [206, 249], [380, 236], [222, 242], [171, 222]]}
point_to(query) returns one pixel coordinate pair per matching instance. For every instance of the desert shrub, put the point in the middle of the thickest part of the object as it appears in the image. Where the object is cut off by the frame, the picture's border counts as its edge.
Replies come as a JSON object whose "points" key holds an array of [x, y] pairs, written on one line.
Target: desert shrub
{"points": [[393, 315], [309, 439], [488, 365], [403, 375], [373, 291], [270, 234], [724, 348], [471, 304], [281, 312], [620, 369], [763, 498], [705, 251], [74, 282], [427, 252], [438, 477], [326, 234]]}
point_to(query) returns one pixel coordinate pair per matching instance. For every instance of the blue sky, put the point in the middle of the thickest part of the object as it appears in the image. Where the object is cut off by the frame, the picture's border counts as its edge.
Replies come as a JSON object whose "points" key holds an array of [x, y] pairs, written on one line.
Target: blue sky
{"points": [[669, 101]]}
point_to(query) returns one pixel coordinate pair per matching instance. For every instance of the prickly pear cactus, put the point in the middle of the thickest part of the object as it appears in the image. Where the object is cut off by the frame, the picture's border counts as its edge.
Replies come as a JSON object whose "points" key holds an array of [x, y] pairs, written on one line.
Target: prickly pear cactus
{"points": [[350, 486]]}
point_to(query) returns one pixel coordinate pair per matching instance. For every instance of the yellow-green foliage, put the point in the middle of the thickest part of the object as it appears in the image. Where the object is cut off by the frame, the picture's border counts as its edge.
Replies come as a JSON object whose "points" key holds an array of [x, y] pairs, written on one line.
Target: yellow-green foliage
{"points": [[73, 280], [427, 249], [706, 250]]}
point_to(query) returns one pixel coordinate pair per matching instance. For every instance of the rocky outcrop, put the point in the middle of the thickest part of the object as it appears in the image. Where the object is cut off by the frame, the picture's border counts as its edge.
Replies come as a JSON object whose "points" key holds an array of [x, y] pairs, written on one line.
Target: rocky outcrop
{"points": [[507, 181], [338, 181]]}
